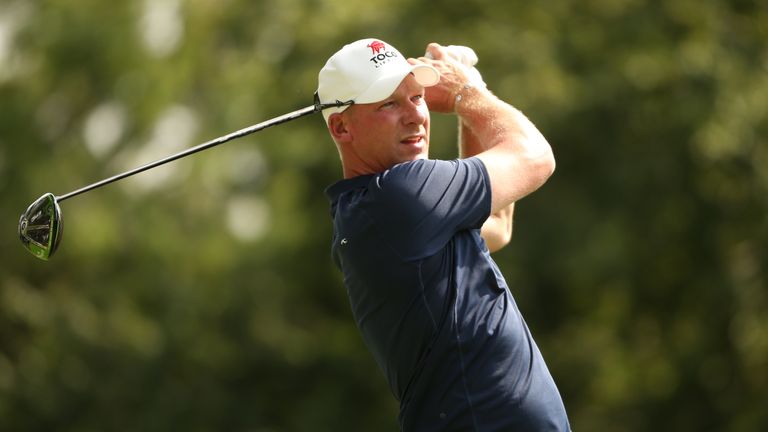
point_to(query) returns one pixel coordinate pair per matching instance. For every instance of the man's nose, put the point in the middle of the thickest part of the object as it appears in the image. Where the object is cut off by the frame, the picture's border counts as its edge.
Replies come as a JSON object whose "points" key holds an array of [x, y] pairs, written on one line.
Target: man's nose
{"points": [[416, 113]]}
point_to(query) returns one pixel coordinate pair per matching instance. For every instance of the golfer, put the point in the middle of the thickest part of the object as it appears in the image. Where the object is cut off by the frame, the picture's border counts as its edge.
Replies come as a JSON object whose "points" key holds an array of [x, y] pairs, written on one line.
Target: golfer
{"points": [[413, 236]]}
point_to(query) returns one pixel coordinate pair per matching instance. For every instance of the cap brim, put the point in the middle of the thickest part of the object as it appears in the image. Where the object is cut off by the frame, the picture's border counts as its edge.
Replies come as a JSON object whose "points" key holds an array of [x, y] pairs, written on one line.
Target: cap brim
{"points": [[426, 75], [384, 87]]}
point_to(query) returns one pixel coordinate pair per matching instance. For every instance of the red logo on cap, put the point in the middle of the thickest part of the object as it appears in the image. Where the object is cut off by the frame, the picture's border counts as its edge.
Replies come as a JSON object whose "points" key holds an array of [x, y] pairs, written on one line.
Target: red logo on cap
{"points": [[376, 46]]}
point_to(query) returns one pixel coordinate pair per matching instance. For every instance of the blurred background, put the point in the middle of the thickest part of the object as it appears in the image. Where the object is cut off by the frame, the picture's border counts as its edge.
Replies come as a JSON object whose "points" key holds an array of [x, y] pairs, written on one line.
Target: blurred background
{"points": [[201, 296]]}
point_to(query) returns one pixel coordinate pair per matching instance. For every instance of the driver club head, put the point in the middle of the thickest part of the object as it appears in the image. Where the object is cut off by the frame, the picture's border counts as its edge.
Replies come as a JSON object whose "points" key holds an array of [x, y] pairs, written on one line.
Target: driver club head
{"points": [[40, 227]]}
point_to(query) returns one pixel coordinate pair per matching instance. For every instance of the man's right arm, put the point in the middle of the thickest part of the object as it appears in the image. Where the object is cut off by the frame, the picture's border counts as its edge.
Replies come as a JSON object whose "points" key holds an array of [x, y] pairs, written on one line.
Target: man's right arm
{"points": [[516, 155]]}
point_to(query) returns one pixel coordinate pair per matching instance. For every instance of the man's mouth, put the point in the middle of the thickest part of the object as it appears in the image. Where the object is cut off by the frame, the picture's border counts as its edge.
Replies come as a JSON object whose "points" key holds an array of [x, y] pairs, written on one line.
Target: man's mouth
{"points": [[413, 140]]}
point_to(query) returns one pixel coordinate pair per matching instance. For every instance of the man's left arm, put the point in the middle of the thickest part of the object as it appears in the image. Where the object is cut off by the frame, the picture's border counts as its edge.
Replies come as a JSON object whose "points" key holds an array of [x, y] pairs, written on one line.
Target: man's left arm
{"points": [[497, 229]]}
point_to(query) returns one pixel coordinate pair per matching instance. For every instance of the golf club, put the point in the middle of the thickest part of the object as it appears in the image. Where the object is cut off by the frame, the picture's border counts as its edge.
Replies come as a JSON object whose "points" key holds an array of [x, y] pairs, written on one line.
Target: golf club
{"points": [[40, 226]]}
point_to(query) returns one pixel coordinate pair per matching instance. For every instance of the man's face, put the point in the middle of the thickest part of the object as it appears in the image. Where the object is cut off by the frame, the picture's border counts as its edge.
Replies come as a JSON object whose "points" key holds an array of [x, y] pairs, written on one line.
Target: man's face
{"points": [[389, 132]]}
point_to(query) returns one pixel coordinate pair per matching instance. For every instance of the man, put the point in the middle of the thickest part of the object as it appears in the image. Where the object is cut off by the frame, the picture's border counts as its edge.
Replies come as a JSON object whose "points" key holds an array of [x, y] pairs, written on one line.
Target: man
{"points": [[413, 237]]}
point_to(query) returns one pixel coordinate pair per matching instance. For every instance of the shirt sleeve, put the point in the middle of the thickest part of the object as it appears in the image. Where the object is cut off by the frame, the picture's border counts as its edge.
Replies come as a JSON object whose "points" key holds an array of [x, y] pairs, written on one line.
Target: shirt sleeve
{"points": [[418, 206]]}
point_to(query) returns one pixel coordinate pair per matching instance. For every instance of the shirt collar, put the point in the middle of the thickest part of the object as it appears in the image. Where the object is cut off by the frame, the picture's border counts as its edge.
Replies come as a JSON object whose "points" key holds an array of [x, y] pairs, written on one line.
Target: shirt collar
{"points": [[335, 190]]}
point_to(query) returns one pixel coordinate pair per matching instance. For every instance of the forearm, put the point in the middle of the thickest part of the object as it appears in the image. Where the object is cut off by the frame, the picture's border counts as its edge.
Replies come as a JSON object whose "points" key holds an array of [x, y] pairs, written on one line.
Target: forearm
{"points": [[517, 156], [468, 143], [497, 229], [486, 121]]}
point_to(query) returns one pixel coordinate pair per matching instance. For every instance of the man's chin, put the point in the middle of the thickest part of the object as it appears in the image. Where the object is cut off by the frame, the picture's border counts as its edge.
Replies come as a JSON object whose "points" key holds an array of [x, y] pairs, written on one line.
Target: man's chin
{"points": [[415, 151]]}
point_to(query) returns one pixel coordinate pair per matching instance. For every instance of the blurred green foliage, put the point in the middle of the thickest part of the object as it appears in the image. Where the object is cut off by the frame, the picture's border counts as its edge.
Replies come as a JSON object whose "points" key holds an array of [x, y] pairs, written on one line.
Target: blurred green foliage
{"points": [[201, 296]]}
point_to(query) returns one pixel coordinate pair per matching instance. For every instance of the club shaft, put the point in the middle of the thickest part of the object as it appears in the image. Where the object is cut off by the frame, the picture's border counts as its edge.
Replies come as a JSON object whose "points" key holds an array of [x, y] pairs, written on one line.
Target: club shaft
{"points": [[206, 145]]}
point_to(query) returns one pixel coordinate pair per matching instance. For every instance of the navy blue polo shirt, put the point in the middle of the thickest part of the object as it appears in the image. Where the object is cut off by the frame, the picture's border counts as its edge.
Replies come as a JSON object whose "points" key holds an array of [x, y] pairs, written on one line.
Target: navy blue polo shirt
{"points": [[431, 304]]}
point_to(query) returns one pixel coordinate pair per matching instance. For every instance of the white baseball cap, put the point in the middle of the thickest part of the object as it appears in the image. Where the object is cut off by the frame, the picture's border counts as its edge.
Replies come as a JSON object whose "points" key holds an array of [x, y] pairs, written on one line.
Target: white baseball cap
{"points": [[367, 71]]}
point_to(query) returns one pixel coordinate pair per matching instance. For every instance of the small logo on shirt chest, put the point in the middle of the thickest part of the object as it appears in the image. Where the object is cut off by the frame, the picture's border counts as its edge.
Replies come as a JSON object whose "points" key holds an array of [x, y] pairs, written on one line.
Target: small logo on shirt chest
{"points": [[343, 242]]}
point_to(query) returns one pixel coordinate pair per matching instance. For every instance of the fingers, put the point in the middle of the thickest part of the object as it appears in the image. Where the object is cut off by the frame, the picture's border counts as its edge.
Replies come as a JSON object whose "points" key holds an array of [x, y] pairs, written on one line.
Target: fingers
{"points": [[462, 55], [435, 51]]}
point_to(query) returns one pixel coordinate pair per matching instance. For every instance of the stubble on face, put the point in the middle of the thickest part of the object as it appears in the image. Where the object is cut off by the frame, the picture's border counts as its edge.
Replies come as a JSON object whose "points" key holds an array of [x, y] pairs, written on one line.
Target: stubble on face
{"points": [[389, 132]]}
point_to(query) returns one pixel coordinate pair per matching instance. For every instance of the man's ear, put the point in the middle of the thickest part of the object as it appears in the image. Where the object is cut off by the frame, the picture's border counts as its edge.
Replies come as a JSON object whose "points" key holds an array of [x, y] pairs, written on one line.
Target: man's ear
{"points": [[338, 128]]}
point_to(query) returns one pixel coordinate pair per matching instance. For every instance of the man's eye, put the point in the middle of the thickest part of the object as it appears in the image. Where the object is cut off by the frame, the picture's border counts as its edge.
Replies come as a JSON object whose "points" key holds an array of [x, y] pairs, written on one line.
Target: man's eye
{"points": [[387, 105], [418, 98]]}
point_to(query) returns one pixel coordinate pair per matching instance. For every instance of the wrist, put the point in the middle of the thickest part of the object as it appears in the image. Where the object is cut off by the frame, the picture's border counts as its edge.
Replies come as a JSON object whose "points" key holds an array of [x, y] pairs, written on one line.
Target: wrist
{"points": [[463, 97], [460, 94]]}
